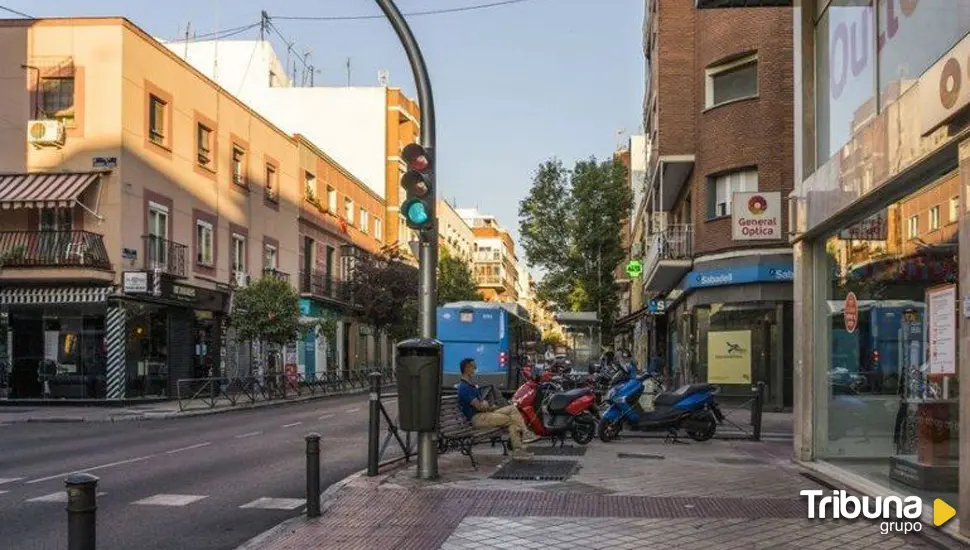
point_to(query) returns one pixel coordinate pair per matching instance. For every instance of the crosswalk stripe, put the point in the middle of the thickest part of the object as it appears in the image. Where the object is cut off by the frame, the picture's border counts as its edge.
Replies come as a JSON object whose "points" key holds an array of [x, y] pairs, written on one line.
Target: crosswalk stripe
{"points": [[266, 503], [60, 496], [9, 479], [170, 500], [2, 492]]}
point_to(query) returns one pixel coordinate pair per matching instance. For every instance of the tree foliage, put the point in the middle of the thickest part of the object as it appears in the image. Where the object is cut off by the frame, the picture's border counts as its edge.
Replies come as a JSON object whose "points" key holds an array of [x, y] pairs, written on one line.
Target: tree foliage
{"points": [[384, 292], [553, 339], [455, 281], [569, 226], [267, 310]]}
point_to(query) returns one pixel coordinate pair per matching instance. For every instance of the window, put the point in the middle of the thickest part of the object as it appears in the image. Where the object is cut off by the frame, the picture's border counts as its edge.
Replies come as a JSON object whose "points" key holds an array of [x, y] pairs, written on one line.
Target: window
{"points": [[238, 253], [156, 119], [271, 183], [364, 220], [310, 186], [57, 98], [238, 166], [954, 209], [204, 145], [934, 218], [349, 210], [56, 219], [157, 220], [722, 188], [913, 227], [732, 81], [331, 200], [378, 229], [204, 243], [271, 262]]}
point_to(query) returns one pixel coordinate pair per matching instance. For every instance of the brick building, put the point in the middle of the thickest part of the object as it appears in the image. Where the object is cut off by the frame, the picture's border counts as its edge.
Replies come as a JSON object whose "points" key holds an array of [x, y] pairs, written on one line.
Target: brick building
{"points": [[719, 129]]}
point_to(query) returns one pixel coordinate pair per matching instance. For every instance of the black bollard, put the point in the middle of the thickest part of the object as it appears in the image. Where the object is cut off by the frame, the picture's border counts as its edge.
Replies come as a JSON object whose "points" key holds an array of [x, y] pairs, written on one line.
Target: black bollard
{"points": [[757, 407], [374, 429], [82, 511], [313, 475]]}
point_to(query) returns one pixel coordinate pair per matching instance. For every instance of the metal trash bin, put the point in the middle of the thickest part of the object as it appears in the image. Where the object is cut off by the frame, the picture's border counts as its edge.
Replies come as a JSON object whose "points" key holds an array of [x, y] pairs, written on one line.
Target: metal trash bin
{"points": [[419, 384]]}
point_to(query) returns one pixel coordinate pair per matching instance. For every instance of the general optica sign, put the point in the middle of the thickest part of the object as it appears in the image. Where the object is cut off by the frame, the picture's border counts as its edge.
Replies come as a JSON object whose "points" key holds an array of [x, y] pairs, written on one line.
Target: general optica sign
{"points": [[756, 216]]}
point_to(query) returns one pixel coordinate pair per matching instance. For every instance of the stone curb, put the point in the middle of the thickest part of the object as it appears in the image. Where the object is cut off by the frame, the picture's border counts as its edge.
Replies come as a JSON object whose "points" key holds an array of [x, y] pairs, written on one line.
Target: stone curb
{"points": [[137, 417], [327, 499]]}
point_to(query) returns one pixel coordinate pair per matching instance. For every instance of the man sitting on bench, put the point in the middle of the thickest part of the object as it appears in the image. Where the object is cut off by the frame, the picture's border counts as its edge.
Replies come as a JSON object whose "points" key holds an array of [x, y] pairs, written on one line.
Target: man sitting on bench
{"points": [[483, 414]]}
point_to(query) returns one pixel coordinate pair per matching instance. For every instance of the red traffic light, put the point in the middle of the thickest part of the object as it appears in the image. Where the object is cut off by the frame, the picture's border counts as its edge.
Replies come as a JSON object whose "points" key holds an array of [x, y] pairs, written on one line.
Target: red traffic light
{"points": [[415, 157]]}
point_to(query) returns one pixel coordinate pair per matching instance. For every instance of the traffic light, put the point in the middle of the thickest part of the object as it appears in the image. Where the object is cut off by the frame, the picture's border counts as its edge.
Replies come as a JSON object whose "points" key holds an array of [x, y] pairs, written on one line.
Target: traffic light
{"points": [[418, 206]]}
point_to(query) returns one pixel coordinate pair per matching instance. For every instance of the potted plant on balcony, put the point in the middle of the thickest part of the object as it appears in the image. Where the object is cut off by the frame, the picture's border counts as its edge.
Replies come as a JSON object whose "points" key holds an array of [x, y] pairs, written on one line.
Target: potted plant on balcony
{"points": [[12, 255]]}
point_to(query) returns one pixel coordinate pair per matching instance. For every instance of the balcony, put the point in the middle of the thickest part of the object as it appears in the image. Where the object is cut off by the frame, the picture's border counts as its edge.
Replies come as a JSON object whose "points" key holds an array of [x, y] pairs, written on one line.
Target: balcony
{"points": [[53, 249], [319, 285], [274, 273], [669, 258], [714, 4], [490, 281], [164, 255], [488, 257], [667, 175]]}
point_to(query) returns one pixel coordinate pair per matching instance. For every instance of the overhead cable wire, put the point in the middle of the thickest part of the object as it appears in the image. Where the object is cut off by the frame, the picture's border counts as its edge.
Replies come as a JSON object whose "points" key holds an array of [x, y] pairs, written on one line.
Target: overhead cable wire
{"points": [[15, 12], [441, 11], [217, 35]]}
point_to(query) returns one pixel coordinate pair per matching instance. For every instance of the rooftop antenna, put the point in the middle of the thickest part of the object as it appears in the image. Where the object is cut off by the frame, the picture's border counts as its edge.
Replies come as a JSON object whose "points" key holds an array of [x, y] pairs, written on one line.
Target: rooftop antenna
{"points": [[187, 28], [215, 58], [263, 20], [348, 72], [383, 78]]}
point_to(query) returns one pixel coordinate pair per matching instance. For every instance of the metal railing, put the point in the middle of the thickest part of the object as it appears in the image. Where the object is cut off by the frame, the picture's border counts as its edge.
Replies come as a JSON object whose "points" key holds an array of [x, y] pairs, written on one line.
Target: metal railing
{"points": [[276, 274], [375, 451], [165, 255], [675, 242], [209, 393], [490, 280], [53, 249], [319, 284]]}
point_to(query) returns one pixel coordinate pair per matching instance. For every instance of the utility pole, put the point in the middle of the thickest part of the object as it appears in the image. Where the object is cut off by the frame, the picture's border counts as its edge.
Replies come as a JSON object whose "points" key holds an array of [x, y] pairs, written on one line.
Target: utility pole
{"points": [[428, 245]]}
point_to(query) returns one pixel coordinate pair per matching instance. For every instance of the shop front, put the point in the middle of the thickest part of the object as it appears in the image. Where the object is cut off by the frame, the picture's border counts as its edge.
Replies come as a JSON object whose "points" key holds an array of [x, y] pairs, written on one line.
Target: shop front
{"points": [[163, 333], [729, 323], [881, 231], [317, 355]]}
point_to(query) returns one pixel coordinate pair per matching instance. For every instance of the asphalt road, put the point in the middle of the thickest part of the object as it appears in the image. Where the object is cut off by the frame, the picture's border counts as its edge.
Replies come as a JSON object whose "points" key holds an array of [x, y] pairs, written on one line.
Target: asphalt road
{"points": [[195, 483]]}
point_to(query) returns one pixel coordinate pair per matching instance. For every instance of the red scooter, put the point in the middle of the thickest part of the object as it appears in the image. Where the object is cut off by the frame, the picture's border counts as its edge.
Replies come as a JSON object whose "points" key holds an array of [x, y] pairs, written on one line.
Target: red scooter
{"points": [[551, 413]]}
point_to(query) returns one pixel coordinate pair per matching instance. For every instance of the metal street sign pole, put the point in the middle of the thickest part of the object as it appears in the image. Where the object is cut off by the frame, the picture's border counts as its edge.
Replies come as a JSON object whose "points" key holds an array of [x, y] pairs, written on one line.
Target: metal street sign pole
{"points": [[428, 257]]}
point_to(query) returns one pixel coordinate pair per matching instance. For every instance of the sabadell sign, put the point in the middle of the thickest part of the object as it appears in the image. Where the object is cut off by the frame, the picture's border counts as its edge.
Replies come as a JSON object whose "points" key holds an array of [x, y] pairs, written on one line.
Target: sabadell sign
{"points": [[756, 216]]}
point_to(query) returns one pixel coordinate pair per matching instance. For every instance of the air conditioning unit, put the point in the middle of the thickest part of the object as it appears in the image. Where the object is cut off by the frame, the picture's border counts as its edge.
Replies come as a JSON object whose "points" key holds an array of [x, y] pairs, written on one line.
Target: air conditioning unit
{"points": [[241, 278], [45, 132]]}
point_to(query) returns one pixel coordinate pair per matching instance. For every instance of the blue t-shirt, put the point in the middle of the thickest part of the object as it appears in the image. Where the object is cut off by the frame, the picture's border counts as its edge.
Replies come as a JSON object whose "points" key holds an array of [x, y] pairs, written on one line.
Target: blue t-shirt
{"points": [[467, 393]]}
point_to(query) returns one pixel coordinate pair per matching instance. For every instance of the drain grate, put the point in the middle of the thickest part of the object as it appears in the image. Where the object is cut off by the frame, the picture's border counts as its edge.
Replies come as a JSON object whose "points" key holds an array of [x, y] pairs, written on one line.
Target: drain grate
{"points": [[640, 455], [537, 470], [558, 451]]}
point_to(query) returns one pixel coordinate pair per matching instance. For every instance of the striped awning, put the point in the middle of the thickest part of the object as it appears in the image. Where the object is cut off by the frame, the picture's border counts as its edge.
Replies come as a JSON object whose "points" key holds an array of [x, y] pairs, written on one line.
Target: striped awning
{"points": [[54, 295], [44, 190]]}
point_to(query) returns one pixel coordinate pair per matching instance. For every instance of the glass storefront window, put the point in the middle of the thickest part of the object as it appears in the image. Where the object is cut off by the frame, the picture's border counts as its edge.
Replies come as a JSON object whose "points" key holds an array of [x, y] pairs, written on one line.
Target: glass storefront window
{"points": [[55, 352], [888, 331], [147, 350], [845, 53], [906, 49]]}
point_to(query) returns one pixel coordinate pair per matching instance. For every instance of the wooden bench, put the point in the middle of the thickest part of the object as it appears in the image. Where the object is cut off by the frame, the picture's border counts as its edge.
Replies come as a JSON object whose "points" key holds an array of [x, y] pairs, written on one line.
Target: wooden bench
{"points": [[455, 432]]}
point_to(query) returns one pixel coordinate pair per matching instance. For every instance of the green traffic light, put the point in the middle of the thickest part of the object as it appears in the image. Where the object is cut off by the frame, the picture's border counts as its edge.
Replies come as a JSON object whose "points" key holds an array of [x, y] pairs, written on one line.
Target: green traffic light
{"points": [[417, 213]]}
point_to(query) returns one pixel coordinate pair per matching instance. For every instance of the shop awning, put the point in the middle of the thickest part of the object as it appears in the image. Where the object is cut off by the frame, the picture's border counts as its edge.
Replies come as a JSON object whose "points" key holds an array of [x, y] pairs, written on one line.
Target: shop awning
{"points": [[34, 296], [45, 190]]}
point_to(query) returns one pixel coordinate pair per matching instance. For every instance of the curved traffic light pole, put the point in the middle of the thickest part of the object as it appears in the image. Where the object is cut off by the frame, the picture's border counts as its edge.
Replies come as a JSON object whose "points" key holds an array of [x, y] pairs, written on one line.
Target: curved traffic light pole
{"points": [[428, 240]]}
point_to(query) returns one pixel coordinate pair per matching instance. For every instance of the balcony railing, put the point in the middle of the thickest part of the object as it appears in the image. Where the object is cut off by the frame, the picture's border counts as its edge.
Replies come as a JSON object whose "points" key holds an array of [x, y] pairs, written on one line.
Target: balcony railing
{"points": [[164, 255], [317, 283], [675, 242], [490, 280], [276, 274], [53, 249]]}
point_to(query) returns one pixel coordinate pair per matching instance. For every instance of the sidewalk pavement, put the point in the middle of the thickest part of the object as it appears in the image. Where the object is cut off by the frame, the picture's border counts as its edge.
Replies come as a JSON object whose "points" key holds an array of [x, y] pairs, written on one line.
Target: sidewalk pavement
{"points": [[630, 494], [150, 411]]}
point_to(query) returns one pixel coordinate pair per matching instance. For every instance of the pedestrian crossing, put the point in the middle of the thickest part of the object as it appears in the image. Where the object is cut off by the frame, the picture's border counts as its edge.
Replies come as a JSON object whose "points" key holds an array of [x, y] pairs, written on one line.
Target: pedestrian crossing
{"points": [[171, 500]]}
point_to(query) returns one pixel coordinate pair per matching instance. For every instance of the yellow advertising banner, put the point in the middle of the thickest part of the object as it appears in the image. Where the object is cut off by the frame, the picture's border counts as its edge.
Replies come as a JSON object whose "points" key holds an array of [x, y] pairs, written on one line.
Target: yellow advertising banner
{"points": [[729, 357]]}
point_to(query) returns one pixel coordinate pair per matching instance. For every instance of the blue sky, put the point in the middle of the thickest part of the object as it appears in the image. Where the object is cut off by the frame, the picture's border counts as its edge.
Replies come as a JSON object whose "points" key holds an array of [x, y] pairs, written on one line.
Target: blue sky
{"points": [[513, 85]]}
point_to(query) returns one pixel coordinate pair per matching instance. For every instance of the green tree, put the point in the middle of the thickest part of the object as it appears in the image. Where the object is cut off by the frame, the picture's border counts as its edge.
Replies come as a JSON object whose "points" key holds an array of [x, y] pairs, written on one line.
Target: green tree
{"points": [[268, 311], [569, 226], [455, 281], [384, 292], [553, 339]]}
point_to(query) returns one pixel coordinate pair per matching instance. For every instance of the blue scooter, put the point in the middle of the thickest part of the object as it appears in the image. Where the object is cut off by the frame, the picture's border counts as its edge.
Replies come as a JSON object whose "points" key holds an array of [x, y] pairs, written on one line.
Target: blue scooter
{"points": [[691, 408]]}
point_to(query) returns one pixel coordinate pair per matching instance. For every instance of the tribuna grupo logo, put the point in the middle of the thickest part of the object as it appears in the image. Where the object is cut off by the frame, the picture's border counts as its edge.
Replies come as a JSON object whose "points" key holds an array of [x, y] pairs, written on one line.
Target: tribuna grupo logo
{"points": [[901, 515]]}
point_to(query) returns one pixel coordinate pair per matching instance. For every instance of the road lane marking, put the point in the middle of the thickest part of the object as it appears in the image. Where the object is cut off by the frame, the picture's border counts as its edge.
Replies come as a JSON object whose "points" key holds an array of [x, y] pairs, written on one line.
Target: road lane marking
{"points": [[91, 469], [355, 409], [60, 496], [2, 492], [250, 434], [266, 503], [189, 448], [326, 416], [9, 479], [170, 500], [291, 425]]}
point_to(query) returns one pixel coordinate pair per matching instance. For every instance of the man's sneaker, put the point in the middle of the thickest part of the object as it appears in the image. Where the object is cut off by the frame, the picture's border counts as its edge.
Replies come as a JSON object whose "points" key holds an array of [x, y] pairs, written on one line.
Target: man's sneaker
{"points": [[530, 438], [521, 454]]}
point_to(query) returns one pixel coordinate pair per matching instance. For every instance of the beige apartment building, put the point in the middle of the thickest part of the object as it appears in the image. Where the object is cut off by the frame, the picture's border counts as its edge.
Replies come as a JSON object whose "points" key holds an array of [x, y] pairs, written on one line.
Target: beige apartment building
{"points": [[454, 235], [137, 194]]}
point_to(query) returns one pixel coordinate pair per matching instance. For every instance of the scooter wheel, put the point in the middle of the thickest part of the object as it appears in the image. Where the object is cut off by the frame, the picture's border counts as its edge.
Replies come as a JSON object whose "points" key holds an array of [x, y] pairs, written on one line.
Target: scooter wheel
{"points": [[705, 431], [608, 430], [584, 429]]}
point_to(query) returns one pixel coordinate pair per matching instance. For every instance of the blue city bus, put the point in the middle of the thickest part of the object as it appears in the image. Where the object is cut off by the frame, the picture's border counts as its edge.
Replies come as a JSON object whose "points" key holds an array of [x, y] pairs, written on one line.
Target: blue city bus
{"points": [[494, 334]]}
